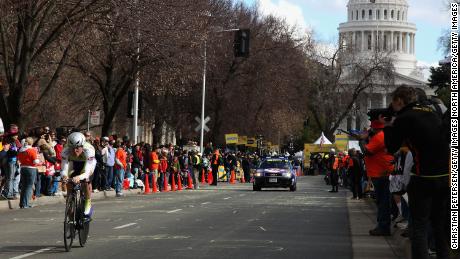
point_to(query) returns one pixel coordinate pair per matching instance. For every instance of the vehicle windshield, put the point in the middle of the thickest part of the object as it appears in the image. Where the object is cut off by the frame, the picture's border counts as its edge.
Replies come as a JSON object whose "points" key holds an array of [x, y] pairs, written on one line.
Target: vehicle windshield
{"points": [[274, 164]]}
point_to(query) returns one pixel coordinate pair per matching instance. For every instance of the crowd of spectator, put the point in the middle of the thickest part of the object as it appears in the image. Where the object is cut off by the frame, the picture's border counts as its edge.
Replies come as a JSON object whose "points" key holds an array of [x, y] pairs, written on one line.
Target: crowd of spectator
{"points": [[404, 159], [30, 164]]}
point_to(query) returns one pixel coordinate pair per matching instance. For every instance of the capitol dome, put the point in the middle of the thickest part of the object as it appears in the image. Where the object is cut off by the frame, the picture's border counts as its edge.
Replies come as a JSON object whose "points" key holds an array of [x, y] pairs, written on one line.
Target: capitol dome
{"points": [[382, 25]]}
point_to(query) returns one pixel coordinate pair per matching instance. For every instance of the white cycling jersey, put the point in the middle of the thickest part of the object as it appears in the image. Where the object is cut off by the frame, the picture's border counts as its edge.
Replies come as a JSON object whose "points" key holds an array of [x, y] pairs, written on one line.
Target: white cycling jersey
{"points": [[87, 161]]}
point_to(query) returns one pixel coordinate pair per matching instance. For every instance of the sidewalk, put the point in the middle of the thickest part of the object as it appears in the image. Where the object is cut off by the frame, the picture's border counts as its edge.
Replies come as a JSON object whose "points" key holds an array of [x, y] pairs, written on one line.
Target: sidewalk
{"points": [[47, 200], [362, 218]]}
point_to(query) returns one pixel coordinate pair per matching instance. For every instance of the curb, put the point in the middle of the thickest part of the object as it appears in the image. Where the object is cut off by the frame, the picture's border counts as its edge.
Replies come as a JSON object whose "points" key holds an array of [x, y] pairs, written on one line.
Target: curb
{"points": [[396, 238], [362, 218], [49, 200]]}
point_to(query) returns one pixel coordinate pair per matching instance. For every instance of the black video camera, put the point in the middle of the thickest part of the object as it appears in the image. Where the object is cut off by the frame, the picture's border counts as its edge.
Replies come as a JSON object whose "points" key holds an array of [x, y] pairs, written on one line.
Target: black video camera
{"points": [[387, 113]]}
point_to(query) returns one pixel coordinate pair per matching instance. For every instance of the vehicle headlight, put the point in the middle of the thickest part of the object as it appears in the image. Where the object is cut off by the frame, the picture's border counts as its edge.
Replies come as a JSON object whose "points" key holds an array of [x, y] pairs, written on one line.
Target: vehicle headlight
{"points": [[288, 175], [258, 174]]}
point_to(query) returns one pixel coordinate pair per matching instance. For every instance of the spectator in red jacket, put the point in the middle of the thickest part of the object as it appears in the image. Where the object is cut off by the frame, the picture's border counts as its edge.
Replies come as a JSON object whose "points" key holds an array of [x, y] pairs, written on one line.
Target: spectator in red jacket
{"points": [[28, 157], [163, 169]]}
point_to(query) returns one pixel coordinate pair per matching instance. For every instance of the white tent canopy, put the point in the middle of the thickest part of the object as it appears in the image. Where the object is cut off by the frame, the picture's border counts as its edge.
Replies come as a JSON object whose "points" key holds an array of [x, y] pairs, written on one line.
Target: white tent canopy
{"points": [[322, 140]]}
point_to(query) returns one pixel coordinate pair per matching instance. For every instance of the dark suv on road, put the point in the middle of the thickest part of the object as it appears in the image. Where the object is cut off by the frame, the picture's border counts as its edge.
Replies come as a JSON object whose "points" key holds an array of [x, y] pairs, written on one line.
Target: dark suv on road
{"points": [[275, 172]]}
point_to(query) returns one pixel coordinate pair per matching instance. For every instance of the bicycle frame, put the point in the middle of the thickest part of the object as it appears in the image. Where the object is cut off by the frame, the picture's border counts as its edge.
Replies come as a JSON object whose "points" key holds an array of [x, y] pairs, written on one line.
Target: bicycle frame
{"points": [[74, 219]]}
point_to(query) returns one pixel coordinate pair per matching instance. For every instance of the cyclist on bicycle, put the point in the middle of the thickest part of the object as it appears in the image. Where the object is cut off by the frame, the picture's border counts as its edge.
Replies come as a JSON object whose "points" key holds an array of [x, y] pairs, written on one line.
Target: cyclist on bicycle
{"points": [[82, 156]]}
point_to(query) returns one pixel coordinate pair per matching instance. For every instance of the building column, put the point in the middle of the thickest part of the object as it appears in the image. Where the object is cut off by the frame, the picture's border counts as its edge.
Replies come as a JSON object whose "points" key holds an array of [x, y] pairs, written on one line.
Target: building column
{"points": [[369, 101], [382, 39], [372, 40], [412, 43], [391, 41], [384, 100], [362, 41], [353, 40], [353, 122], [404, 41], [400, 41], [411, 38]]}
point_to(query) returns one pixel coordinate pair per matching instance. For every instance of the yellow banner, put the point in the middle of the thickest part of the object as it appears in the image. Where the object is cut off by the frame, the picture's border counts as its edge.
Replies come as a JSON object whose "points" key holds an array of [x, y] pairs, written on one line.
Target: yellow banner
{"points": [[312, 148], [231, 138], [341, 142], [242, 140], [251, 142], [275, 148]]}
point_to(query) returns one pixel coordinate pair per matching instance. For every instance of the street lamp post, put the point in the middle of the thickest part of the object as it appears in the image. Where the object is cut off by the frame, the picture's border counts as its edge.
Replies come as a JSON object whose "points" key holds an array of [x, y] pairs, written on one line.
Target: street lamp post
{"points": [[203, 99]]}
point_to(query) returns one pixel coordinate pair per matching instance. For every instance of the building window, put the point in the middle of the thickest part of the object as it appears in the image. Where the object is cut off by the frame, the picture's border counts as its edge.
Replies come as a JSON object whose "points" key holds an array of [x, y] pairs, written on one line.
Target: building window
{"points": [[357, 17], [369, 42], [378, 14], [385, 16], [392, 14], [398, 15], [363, 14], [402, 16], [370, 14]]}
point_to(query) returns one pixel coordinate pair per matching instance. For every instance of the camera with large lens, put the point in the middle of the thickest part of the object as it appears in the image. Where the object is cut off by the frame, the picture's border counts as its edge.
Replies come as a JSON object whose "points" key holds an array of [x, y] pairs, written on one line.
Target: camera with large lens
{"points": [[386, 113]]}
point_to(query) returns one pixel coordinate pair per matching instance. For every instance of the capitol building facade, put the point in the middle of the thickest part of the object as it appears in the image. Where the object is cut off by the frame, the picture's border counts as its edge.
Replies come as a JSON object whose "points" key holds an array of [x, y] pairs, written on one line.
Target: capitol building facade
{"points": [[382, 26]]}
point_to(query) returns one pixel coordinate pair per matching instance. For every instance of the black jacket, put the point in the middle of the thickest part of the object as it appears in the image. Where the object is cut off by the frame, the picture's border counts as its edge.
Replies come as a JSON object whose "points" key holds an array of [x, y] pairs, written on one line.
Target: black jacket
{"points": [[421, 128]]}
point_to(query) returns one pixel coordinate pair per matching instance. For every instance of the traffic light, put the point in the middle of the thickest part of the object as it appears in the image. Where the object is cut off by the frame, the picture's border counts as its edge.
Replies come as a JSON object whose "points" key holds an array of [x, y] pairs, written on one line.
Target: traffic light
{"points": [[241, 43], [131, 104]]}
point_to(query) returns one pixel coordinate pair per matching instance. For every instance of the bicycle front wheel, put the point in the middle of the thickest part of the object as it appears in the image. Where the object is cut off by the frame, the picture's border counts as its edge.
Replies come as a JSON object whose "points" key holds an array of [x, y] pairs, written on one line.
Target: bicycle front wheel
{"points": [[69, 223]]}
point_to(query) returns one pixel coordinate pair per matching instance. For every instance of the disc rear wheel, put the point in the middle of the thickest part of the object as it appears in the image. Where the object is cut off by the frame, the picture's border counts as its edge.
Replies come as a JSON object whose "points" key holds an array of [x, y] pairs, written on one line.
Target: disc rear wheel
{"points": [[83, 225]]}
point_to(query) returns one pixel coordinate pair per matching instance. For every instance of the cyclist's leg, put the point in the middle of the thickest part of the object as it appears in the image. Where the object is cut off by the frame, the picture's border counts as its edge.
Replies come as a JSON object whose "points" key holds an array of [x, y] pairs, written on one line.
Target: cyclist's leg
{"points": [[87, 189]]}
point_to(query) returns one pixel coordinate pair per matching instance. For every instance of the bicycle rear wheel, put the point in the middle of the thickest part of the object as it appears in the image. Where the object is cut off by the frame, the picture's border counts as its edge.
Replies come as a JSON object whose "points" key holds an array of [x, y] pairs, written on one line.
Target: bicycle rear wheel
{"points": [[83, 232], [69, 223]]}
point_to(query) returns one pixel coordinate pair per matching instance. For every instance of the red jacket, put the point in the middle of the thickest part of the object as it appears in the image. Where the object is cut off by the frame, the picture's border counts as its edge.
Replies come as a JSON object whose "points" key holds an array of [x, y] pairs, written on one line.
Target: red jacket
{"points": [[58, 149], [379, 162], [163, 165]]}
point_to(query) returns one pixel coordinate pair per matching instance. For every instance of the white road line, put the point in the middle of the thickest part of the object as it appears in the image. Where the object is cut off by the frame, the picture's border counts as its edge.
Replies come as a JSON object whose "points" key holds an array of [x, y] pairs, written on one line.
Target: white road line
{"points": [[32, 253], [204, 203], [227, 198], [262, 228], [125, 226], [172, 211]]}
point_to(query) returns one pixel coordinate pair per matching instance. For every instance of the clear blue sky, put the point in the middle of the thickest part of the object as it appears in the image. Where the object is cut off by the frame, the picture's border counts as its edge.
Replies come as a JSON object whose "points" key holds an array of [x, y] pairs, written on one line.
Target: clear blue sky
{"points": [[324, 16]]}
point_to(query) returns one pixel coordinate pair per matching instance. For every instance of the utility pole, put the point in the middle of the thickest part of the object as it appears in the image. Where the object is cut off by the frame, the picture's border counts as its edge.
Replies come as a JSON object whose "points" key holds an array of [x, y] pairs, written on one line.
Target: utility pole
{"points": [[203, 99], [136, 87]]}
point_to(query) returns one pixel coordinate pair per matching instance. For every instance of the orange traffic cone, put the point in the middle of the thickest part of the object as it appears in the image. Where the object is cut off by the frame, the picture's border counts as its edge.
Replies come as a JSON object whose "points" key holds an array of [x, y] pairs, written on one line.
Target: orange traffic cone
{"points": [[242, 178], [210, 177], [165, 183], [179, 182], [146, 185], [202, 176], [154, 180], [190, 182], [232, 177], [173, 182]]}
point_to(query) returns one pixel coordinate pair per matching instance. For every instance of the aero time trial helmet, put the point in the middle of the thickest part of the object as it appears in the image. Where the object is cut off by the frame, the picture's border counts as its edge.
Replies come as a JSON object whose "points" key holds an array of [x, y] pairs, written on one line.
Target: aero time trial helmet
{"points": [[76, 139]]}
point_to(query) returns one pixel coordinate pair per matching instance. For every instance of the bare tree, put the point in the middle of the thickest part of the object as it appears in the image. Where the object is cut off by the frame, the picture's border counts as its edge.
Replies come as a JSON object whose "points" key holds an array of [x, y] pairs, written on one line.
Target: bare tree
{"points": [[30, 34], [134, 38], [338, 80]]}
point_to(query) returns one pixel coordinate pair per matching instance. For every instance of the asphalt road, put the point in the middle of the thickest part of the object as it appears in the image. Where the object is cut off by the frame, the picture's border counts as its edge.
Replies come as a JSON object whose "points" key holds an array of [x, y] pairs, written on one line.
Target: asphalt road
{"points": [[230, 221]]}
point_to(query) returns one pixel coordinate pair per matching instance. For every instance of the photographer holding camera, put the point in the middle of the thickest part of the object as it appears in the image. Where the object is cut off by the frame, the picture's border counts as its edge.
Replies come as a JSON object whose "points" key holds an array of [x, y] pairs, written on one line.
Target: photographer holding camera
{"points": [[379, 166], [418, 125]]}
